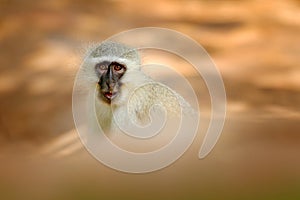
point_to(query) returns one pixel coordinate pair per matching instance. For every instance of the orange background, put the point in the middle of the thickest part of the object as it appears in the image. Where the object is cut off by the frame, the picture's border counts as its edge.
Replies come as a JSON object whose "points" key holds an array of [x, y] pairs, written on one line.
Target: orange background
{"points": [[256, 46]]}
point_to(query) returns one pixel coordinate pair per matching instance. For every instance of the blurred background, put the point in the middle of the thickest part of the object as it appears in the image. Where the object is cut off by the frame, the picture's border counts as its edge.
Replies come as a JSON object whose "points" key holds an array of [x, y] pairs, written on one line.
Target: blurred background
{"points": [[255, 45]]}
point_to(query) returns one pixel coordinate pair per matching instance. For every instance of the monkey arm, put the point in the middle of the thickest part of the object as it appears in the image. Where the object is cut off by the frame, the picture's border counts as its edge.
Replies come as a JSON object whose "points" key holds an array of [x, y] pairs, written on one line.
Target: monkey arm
{"points": [[143, 98]]}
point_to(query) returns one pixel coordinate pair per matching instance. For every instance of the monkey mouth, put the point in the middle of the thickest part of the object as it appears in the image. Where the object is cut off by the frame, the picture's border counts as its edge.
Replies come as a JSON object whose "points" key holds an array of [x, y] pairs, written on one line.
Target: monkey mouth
{"points": [[109, 95]]}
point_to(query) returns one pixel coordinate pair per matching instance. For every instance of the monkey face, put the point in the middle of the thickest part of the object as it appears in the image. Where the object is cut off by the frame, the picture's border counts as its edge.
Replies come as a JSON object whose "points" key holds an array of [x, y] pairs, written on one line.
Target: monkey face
{"points": [[109, 74]]}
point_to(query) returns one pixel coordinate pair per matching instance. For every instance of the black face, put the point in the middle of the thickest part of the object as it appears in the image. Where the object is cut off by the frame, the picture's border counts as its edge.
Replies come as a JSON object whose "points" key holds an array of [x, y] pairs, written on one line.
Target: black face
{"points": [[109, 74]]}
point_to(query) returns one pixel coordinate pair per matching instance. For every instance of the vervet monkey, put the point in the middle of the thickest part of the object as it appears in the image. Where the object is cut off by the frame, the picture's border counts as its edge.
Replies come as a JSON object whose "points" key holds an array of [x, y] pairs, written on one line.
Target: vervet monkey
{"points": [[122, 92]]}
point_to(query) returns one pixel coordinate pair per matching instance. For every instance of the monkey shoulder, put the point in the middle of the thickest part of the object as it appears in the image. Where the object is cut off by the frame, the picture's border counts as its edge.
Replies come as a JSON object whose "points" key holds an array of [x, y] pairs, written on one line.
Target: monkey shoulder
{"points": [[144, 97]]}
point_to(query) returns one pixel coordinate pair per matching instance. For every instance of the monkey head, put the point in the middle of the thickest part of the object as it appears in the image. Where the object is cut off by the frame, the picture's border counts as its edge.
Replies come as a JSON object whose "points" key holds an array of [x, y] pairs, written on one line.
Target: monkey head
{"points": [[109, 74], [115, 69]]}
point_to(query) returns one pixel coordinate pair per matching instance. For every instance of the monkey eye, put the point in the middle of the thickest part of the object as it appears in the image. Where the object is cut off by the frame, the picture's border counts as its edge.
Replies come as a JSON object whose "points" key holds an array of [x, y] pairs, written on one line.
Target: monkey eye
{"points": [[118, 67], [101, 67]]}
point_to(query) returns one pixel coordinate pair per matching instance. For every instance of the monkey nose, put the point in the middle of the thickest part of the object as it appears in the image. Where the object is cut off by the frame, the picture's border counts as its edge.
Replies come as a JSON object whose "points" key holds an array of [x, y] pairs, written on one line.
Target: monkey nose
{"points": [[110, 85]]}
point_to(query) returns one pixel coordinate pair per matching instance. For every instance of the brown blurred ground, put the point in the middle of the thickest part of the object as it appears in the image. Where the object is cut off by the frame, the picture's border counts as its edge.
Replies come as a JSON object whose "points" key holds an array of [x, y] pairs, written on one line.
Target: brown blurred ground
{"points": [[256, 46]]}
